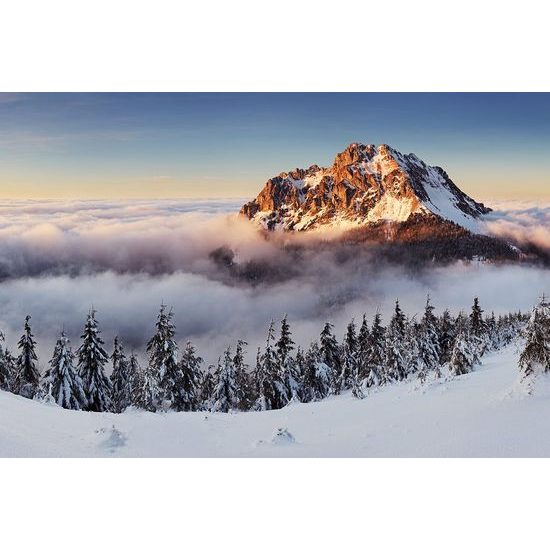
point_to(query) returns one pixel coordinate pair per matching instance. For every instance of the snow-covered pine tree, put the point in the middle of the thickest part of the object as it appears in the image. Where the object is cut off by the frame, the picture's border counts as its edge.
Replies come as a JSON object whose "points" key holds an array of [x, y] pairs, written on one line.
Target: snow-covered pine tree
{"points": [[134, 378], [259, 384], [428, 343], [27, 379], [244, 384], [207, 388], [6, 367], [163, 358], [446, 337], [330, 355], [10, 363], [299, 362], [91, 360], [317, 378], [147, 394], [187, 394], [395, 361], [413, 359], [363, 341], [270, 389], [225, 395], [62, 380], [285, 362], [349, 375], [361, 369], [476, 323], [507, 329], [477, 330], [535, 357], [462, 357], [493, 337], [121, 391], [461, 324], [374, 360]]}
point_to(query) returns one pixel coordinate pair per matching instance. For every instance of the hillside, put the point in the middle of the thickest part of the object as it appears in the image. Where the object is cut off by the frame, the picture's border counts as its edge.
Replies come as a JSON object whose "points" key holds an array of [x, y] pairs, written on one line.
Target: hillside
{"points": [[481, 414]]}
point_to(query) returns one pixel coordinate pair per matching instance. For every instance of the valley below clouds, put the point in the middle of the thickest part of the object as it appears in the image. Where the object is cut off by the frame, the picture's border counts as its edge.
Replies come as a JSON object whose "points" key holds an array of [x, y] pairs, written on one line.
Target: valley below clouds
{"points": [[224, 279]]}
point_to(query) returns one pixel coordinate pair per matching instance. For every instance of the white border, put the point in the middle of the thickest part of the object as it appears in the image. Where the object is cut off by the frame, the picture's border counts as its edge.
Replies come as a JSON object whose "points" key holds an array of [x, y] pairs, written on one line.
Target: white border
{"points": [[288, 45], [118, 45], [274, 503]]}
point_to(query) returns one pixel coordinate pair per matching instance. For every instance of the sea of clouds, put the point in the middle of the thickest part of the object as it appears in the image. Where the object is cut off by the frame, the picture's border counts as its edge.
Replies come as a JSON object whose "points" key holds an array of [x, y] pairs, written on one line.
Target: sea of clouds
{"points": [[524, 222], [58, 259]]}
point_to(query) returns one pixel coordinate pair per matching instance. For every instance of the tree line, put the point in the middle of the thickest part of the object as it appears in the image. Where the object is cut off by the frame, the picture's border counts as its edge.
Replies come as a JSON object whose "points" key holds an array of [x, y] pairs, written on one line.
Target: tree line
{"points": [[369, 355]]}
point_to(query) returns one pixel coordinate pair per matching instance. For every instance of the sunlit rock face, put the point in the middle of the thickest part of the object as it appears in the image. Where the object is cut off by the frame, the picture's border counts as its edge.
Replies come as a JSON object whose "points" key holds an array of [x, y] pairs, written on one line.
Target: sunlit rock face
{"points": [[367, 184]]}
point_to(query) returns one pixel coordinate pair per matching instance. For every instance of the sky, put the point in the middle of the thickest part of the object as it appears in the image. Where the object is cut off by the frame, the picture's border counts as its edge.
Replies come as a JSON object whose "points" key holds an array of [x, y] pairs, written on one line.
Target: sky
{"points": [[189, 145]]}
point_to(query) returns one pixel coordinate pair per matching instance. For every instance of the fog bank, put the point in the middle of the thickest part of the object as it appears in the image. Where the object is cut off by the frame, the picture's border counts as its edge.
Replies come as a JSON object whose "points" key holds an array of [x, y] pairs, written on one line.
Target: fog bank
{"points": [[57, 259]]}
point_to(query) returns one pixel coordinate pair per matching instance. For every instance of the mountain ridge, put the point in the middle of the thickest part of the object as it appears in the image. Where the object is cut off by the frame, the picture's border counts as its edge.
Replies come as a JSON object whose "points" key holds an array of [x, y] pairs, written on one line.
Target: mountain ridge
{"points": [[366, 184]]}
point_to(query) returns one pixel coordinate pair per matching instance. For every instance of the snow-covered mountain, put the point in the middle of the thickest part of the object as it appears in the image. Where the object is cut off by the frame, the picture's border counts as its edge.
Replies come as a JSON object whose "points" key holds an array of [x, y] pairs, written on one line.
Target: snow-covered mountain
{"points": [[366, 184]]}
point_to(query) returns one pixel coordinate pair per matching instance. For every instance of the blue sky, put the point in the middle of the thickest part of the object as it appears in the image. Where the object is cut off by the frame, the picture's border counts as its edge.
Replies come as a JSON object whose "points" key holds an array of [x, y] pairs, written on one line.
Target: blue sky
{"points": [[227, 145]]}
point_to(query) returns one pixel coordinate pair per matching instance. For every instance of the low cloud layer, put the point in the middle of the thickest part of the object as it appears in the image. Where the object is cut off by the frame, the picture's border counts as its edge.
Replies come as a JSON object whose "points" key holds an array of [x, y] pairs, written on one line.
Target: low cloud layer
{"points": [[57, 259], [525, 223]]}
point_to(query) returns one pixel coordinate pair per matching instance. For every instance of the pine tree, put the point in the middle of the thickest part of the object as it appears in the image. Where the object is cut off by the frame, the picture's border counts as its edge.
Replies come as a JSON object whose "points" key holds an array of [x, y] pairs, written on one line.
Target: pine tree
{"points": [[395, 363], [147, 395], [507, 330], [299, 362], [462, 358], [62, 380], [375, 357], [412, 353], [260, 384], [317, 379], [477, 325], [207, 388], [10, 363], [163, 359], [134, 379], [461, 324], [6, 367], [428, 344], [121, 390], [187, 394], [270, 389], [363, 346], [91, 360], [330, 356], [27, 378], [535, 356], [285, 363], [358, 381], [225, 395], [446, 337], [244, 383], [349, 375], [493, 336]]}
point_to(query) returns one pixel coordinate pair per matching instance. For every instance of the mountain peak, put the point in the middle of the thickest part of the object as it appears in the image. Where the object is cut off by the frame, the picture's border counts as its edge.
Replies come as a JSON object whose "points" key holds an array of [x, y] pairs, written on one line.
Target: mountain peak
{"points": [[366, 184], [360, 152]]}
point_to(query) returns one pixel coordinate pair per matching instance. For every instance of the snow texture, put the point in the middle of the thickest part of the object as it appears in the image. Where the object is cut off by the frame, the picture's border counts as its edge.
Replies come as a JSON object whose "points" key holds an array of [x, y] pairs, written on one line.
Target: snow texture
{"points": [[485, 413]]}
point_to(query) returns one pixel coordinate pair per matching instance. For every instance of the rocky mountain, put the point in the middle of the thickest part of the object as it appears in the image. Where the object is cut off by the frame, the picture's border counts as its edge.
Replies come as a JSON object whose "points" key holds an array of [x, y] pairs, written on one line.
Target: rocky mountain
{"points": [[366, 185]]}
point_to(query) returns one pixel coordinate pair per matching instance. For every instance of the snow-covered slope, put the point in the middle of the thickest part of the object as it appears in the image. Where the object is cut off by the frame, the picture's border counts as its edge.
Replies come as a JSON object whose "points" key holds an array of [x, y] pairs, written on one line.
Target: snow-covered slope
{"points": [[481, 414], [365, 184]]}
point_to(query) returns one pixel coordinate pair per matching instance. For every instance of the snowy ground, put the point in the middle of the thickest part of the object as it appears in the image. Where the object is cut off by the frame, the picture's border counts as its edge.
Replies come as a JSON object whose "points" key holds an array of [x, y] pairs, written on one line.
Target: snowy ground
{"points": [[482, 414]]}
